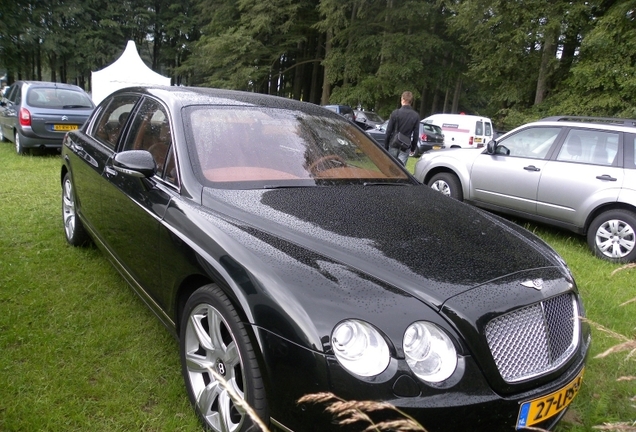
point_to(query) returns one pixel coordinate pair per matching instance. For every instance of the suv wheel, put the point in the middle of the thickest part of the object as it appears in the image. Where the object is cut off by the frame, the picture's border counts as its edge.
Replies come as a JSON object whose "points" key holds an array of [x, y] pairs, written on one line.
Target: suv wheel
{"points": [[612, 236], [448, 184]]}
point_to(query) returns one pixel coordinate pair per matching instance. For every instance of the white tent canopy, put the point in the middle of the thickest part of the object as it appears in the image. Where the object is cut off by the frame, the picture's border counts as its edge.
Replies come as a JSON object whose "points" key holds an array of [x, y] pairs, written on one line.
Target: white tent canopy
{"points": [[128, 70]]}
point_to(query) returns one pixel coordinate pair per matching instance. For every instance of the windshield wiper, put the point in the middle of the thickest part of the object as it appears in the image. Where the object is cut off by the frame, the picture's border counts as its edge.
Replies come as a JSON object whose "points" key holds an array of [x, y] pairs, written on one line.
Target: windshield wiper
{"points": [[287, 186], [384, 184]]}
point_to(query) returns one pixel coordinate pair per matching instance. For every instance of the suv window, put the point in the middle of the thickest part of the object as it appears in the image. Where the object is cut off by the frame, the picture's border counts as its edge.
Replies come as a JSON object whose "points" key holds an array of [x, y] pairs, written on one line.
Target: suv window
{"points": [[534, 142], [589, 147]]}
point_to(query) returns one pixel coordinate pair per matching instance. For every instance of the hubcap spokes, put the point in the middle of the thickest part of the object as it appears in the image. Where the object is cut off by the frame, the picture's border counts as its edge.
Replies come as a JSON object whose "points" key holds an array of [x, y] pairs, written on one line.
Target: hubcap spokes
{"points": [[615, 239], [68, 209], [210, 345], [442, 187]]}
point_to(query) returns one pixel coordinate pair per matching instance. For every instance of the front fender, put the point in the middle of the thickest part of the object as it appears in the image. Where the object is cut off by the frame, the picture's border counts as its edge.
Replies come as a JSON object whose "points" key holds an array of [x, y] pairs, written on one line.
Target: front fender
{"points": [[446, 161]]}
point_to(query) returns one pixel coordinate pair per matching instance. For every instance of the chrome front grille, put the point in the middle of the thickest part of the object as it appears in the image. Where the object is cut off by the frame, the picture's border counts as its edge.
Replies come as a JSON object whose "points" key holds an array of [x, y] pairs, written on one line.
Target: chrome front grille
{"points": [[536, 339]]}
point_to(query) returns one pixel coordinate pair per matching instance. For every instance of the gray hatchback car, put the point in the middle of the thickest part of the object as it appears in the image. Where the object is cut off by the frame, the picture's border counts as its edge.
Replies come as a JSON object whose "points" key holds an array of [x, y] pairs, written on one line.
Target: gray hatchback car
{"points": [[37, 114], [577, 173]]}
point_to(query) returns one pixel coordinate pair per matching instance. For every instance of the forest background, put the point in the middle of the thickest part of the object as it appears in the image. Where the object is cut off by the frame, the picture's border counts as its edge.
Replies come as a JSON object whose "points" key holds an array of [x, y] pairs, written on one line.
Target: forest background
{"points": [[511, 60]]}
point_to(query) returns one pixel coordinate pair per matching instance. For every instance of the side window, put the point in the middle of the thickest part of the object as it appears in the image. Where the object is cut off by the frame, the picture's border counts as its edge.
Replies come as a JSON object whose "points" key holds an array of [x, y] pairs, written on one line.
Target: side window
{"points": [[151, 131], [110, 124], [12, 92], [533, 142], [16, 95], [589, 147]]}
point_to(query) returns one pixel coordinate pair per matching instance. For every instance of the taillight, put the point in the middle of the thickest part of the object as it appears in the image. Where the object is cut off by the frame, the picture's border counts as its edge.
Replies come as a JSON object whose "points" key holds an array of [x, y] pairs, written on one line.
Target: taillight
{"points": [[470, 141], [424, 137], [25, 117]]}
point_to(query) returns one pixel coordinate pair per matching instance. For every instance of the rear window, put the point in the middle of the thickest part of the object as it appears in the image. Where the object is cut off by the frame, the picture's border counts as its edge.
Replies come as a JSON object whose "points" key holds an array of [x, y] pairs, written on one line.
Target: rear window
{"points": [[430, 128], [479, 128], [51, 97]]}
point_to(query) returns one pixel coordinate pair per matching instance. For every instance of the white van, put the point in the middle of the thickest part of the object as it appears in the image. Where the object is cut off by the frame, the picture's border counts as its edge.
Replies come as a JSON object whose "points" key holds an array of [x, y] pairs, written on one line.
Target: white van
{"points": [[461, 130]]}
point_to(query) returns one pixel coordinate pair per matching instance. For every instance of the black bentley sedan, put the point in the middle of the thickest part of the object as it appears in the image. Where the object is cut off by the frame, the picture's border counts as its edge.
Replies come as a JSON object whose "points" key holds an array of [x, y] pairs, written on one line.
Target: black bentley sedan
{"points": [[291, 255]]}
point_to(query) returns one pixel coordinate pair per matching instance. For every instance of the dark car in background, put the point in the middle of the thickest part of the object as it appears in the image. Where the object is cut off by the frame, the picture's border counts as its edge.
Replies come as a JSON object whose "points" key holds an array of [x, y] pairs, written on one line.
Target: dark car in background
{"points": [[368, 118], [344, 110], [430, 138], [378, 133], [281, 270], [37, 114]]}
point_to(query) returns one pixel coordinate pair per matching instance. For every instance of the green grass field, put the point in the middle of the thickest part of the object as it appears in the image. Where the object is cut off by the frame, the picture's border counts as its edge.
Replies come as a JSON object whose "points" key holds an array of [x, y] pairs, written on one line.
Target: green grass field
{"points": [[79, 351]]}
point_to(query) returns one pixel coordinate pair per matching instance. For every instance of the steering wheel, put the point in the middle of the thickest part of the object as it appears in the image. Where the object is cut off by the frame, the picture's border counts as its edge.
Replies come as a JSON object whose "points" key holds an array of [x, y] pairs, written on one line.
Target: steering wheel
{"points": [[324, 163]]}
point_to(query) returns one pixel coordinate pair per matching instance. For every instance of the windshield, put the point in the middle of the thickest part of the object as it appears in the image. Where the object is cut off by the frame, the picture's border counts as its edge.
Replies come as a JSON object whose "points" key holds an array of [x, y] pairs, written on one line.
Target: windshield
{"points": [[248, 147]]}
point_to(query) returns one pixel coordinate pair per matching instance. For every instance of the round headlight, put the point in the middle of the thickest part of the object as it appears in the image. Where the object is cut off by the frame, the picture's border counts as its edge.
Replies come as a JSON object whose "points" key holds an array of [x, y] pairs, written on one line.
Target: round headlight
{"points": [[429, 352], [360, 348]]}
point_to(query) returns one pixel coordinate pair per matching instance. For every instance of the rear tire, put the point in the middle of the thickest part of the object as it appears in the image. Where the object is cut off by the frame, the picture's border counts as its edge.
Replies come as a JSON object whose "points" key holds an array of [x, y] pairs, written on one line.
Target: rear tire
{"points": [[212, 336], [19, 149], [612, 236], [448, 184], [74, 230]]}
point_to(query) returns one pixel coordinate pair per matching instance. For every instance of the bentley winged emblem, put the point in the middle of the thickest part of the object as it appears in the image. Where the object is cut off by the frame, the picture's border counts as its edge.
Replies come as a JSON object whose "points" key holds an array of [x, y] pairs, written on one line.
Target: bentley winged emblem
{"points": [[533, 283]]}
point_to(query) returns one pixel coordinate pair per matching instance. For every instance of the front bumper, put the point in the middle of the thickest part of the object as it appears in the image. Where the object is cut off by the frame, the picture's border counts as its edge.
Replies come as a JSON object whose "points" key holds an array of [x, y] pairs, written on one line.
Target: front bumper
{"points": [[465, 402]]}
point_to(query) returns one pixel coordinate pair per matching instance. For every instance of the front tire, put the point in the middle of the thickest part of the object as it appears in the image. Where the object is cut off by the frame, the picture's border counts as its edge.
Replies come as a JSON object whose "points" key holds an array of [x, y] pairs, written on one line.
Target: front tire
{"points": [[612, 236], [212, 336], [74, 230], [448, 184]]}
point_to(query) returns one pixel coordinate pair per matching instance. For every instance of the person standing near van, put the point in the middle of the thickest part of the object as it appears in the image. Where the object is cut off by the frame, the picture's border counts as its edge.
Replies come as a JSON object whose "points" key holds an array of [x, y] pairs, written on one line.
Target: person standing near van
{"points": [[405, 120]]}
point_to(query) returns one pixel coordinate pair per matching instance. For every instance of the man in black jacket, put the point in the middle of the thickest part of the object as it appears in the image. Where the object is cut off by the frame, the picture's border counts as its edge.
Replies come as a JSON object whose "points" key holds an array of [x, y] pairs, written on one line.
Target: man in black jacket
{"points": [[404, 120]]}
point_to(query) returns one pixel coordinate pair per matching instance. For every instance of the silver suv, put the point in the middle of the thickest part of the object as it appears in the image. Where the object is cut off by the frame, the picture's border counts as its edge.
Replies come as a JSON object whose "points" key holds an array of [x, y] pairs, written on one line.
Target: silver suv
{"points": [[577, 173]]}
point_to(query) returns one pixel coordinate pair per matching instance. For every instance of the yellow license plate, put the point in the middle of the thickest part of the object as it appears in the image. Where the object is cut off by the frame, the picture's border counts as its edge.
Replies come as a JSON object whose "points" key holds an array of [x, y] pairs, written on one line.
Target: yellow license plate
{"points": [[65, 127], [538, 410], [436, 147]]}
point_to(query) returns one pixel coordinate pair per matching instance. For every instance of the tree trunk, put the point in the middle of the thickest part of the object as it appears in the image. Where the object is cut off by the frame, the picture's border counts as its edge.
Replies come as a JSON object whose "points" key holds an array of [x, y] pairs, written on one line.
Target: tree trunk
{"points": [[549, 53], [458, 92], [326, 85]]}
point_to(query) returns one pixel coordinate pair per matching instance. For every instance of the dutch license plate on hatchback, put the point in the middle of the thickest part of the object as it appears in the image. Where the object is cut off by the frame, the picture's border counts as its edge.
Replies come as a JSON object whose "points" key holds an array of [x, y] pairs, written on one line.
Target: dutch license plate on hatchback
{"points": [[436, 147], [65, 127], [541, 409]]}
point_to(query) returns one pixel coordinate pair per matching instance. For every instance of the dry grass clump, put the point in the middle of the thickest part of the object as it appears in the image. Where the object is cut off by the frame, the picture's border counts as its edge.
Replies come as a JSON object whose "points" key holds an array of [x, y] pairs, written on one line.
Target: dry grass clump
{"points": [[349, 412], [626, 344]]}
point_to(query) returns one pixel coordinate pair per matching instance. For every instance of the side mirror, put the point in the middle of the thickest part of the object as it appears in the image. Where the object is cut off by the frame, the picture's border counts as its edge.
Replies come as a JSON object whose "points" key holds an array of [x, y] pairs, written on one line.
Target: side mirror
{"points": [[491, 147], [135, 163]]}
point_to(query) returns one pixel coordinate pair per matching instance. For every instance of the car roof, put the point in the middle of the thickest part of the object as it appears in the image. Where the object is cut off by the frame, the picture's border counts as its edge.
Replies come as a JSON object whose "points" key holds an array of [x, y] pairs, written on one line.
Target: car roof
{"points": [[48, 84], [190, 96], [606, 123]]}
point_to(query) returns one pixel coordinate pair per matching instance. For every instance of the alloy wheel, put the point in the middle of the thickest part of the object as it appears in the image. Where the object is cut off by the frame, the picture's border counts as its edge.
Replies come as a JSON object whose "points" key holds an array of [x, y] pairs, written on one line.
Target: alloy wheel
{"points": [[68, 209], [211, 345]]}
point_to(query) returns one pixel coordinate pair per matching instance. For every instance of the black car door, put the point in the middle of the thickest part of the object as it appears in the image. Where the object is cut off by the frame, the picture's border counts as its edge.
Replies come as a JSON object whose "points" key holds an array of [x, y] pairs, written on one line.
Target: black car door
{"points": [[132, 207], [89, 153]]}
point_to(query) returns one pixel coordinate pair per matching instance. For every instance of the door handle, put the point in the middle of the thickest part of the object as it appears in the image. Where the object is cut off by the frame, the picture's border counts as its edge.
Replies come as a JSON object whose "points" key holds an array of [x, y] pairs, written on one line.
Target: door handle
{"points": [[111, 172], [531, 168], [606, 177]]}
